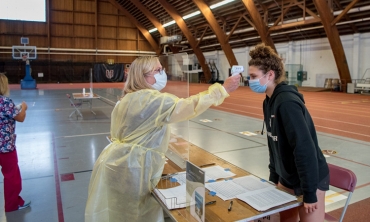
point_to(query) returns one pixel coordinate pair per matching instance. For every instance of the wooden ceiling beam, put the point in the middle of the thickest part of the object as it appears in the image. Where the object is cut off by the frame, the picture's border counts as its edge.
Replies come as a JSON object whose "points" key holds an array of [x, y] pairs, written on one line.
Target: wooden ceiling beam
{"points": [[220, 34], [289, 25], [344, 12], [139, 26], [233, 29], [192, 41], [201, 37], [257, 21], [283, 12], [354, 28], [333, 36], [311, 13], [155, 21]]}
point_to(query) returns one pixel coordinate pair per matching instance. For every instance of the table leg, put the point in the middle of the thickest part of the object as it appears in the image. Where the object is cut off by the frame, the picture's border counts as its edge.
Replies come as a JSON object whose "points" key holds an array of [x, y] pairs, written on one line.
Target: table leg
{"points": [[90, 103]]}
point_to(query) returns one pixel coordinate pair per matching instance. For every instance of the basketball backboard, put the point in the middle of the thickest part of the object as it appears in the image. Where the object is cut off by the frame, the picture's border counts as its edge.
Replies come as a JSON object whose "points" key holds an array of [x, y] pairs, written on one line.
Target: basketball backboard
{"points": [[24, 52], [24, 40]]}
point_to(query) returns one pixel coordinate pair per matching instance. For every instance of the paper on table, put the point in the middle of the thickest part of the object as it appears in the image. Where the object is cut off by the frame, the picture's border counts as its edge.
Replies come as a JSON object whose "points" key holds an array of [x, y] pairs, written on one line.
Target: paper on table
{"points": [[266, 198], [174, 197], [180, 177], [217, 172], [226, 190], [252, 183], [212, 173]]}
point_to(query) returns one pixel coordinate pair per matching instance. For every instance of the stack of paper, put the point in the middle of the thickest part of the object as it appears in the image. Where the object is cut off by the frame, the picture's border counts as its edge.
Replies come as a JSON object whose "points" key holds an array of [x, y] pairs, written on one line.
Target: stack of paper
{"points": [[258, 193]]}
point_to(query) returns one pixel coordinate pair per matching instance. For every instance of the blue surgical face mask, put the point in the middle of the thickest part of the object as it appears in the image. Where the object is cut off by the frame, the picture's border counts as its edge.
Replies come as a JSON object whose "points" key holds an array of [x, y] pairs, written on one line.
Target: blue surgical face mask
{"points": [[256, 86], [160, 80]]}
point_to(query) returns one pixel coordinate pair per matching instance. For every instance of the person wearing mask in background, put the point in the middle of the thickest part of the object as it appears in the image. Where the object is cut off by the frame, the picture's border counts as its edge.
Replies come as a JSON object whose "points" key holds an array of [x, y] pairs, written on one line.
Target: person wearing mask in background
{"points": [[130, 167], [296, 161], [9, 114]]}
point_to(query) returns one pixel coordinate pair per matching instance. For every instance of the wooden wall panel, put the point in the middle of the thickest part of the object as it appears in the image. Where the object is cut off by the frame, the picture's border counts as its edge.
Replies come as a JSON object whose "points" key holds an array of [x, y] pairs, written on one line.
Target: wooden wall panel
{"points": [[107, 44], [61, 17], [145, 46], [84, 43], [107, 20], [11, 27], [127, 45], [84, 18], [106, 8], [84, 31], [10, 40], [63, 58], [107, 32], [38, 41], [62, 5], [127, 33], [125, 59], [61, 42], [61, 30], [84, 5], [42, 56], [123, 21], [39, 28], [72, 25]]}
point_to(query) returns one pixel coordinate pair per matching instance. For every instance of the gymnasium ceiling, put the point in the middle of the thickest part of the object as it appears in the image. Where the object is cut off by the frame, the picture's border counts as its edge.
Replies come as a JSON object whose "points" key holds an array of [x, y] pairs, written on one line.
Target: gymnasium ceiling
{"points": [[234, 17]]}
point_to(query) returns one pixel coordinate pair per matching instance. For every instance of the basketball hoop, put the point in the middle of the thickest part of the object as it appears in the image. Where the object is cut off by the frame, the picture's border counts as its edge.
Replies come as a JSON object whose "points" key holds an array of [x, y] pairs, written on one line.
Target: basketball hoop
{"points": [[24, 57]]}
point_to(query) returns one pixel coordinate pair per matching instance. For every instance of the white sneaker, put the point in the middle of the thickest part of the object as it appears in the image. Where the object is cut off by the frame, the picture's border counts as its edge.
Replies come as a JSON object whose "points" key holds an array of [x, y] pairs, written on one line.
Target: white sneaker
{"points": [[25, 205]]}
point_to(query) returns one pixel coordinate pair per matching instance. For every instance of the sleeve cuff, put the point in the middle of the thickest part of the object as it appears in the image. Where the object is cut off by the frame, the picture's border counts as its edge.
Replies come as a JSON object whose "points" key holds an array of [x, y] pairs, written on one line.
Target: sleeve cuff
{"points": [[274, 178], [309, 197]]}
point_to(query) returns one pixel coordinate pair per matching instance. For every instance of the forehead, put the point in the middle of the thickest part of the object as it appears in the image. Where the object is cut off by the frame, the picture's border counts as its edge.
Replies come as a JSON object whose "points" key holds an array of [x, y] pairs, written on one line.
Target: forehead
{"points": [[254, 71]]}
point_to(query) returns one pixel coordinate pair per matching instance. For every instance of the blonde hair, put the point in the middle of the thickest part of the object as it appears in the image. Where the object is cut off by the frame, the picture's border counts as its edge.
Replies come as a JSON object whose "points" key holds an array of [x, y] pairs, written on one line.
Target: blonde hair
{"points": [[266, 59], [4, 86], [139, 69]]}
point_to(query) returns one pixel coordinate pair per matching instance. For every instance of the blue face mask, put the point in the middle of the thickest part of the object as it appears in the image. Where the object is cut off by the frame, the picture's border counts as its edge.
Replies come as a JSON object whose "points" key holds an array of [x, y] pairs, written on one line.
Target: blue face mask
{"points": [[256, 86], [161, 80]]}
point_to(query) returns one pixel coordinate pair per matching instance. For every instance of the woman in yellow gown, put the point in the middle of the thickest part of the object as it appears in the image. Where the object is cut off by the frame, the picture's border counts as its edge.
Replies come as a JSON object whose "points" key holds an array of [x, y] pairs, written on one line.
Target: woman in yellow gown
{"points": [[121, 180]]}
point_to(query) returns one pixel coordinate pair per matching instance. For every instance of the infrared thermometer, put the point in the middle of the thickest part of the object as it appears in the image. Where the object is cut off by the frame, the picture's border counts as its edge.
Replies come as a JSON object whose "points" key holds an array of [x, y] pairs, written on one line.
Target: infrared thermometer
{"points": [[235, 70]]}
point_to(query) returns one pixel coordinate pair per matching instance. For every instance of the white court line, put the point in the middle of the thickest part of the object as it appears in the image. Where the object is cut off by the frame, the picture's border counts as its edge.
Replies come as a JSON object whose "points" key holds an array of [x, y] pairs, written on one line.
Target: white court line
{"points": [[348, 132], [311, 116], [81, 135]]}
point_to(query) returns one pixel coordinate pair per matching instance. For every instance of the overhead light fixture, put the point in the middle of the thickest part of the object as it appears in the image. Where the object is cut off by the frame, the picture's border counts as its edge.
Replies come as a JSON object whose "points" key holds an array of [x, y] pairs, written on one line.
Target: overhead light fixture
{"points": [[169, 23], [153, 30], [220, 4], [193, 14]]}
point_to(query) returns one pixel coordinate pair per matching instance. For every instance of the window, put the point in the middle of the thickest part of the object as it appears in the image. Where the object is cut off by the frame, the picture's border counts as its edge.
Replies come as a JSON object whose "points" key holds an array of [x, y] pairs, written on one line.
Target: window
{"points": [[25, 10]]}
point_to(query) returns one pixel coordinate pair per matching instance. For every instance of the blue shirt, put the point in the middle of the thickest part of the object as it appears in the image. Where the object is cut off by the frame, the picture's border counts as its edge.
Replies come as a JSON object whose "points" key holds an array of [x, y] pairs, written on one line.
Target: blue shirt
{"points": [[7, 124]]}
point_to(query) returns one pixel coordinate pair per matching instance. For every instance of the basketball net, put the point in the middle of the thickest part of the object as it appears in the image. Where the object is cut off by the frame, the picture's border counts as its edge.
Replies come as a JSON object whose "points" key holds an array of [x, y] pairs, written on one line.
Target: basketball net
{"points": [[24, 57]]}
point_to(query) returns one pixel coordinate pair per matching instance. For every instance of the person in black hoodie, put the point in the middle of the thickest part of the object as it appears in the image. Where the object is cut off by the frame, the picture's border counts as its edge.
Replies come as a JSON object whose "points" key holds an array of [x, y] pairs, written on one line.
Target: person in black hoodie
{"points": [[296, 161]]}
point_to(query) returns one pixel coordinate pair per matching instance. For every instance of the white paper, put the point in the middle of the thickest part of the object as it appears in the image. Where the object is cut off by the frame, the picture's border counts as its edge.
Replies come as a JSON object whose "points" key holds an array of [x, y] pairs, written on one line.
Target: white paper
{"points": [[252, 183], [180, 177], [217, 172], [226, 190], [173, 197], [266, 198], [212, 173]]}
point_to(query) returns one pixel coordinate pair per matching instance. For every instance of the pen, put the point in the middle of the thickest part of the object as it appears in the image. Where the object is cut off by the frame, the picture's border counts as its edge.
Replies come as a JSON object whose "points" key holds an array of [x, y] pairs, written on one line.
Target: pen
{"points": [[211, 202], [208, 164], [230, 206]]}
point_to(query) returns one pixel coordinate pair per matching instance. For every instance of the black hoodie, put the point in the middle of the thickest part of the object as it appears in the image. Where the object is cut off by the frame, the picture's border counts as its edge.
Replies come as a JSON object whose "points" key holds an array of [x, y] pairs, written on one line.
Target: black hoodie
{"points": [[295, 156]]}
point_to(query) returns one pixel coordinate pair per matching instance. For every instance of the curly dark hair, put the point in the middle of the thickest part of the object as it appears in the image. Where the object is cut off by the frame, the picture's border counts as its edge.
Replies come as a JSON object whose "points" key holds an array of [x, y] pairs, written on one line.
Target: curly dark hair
{"points": [[266, 59]]}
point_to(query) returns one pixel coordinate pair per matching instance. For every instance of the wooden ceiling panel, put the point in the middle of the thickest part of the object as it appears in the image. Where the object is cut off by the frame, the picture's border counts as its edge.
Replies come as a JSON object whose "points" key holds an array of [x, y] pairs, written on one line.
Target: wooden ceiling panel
{"points": [[228, 15]]}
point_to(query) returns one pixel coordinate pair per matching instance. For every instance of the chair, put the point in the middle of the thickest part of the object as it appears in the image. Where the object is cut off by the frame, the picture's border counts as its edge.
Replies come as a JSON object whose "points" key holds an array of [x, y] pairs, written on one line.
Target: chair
{"points": [[345, 179], [76, 106]]}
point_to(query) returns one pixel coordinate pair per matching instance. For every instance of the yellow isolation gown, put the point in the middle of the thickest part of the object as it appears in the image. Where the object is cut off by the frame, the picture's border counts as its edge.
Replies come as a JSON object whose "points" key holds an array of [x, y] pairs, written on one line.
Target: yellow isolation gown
{"points": [[128, 168]]}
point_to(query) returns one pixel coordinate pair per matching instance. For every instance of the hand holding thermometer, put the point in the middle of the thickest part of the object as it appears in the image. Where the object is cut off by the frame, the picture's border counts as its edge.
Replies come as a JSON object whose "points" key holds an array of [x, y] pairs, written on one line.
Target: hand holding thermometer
{"points": [[236, 70]]}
